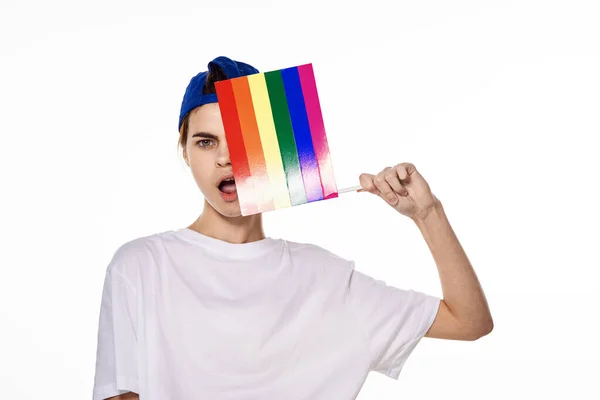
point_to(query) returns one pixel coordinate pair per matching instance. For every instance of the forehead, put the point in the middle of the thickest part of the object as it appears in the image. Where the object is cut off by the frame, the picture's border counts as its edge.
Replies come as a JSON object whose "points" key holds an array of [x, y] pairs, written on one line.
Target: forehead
{"points": [[206, 118]]}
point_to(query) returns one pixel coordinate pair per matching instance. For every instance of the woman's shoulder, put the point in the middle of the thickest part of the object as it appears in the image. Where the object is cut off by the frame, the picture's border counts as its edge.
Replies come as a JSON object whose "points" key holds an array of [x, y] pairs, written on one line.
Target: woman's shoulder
{"points": [[128, 254], [310, 249], [139, 245], [319, 256]]}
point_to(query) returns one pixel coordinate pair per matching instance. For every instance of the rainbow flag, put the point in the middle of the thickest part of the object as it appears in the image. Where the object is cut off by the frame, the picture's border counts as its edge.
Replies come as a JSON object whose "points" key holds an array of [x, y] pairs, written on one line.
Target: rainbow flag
{"points": [[276, 138]]}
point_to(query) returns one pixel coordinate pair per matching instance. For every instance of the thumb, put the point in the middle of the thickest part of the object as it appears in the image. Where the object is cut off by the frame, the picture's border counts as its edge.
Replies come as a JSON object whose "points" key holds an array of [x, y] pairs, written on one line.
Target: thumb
{"points": [[366, 181]]}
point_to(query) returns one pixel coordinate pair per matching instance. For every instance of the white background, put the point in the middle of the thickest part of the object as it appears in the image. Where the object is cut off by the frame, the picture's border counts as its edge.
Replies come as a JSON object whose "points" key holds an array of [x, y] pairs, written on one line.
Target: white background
{"points": [[497, 103]]}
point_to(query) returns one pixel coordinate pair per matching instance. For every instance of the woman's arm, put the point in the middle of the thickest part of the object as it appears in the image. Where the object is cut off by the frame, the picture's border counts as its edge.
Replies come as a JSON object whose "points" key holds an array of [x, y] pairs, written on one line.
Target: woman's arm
{"points": [[126, 396], [464, 313]]}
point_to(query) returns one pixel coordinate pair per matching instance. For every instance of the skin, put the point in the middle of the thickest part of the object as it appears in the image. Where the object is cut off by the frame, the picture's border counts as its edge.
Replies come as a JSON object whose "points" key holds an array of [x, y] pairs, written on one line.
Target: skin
{"points": [[207, 155], [463, 314]]}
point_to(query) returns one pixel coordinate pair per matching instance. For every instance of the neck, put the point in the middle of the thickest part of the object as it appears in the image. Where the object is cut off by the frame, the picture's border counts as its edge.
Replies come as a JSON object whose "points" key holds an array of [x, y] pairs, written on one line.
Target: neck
{"points": [[229, 229]]}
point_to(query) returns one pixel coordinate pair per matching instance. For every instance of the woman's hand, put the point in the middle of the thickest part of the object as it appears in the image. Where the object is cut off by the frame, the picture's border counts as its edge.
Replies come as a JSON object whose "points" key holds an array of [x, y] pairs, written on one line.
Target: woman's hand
{"points": [[403, 188]]}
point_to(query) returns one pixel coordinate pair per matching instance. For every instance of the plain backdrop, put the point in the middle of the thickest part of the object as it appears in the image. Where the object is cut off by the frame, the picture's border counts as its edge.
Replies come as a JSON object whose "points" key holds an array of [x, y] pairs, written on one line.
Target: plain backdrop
{"points": [[497, 103]]}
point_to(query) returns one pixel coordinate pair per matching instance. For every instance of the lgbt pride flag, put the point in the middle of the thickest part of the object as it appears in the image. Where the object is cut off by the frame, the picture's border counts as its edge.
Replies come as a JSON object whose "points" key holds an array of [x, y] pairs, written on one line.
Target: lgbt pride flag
{"points": [[276, 138]]}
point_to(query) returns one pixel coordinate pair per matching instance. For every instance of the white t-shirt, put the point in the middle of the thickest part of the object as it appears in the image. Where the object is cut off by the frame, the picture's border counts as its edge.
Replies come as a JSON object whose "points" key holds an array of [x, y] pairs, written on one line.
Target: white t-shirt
{"points": [[186, 316]]}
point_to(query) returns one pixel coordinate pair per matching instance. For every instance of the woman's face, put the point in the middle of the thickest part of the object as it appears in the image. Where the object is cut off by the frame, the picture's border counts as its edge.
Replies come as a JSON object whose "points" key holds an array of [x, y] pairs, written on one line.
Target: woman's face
{"points": [[207, 155]]}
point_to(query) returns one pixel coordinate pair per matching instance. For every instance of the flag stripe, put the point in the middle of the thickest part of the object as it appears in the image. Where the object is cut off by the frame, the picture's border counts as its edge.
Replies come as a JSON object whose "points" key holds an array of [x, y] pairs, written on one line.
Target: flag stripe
{"points": [[285, 137], [237, 151], [302, 134], [252, 143], [317, 128], [264, 119]]}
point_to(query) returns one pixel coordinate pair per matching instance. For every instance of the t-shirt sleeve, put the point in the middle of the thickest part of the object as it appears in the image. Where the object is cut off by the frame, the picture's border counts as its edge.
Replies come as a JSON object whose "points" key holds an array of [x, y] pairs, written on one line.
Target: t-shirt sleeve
{"points": [[116, 356], [393, 320]]}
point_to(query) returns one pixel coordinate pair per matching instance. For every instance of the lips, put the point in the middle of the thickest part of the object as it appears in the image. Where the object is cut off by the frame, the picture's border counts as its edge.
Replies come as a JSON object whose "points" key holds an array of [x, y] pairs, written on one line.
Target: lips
{"points": [[227, 184], [226, 177]]}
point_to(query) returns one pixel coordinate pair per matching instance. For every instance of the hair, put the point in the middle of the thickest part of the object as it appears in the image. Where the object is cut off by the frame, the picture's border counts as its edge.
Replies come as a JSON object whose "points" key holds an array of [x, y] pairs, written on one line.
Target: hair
{"points": [[215, 74]]}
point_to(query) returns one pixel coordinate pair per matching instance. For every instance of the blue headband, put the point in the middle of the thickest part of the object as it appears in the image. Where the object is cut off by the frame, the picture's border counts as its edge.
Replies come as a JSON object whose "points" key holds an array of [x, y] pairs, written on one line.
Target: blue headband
{"points": [[193, 96]]}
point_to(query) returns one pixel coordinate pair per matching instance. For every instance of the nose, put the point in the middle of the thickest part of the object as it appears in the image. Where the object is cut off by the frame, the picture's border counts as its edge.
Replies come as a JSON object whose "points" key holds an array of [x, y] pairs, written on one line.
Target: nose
{"points": [[223, 159]]}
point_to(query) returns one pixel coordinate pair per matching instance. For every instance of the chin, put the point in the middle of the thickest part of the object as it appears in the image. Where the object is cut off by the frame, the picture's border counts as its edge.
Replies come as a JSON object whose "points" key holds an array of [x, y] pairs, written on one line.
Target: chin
{"points": [[230, 213], [226, 209]]}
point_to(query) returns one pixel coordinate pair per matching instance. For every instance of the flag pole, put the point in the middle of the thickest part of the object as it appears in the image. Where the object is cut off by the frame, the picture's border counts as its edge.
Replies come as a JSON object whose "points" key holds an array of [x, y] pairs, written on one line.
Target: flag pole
{"points": [[349, 189]]}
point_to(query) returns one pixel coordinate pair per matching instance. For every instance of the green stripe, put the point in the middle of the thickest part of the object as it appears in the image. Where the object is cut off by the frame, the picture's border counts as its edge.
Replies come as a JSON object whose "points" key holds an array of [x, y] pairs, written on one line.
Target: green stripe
{"points": [[285, 136]]}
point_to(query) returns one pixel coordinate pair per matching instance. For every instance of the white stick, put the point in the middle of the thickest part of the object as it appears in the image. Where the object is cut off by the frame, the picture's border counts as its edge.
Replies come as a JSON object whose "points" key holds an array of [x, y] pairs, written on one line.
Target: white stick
{"points": [[350, 189]]}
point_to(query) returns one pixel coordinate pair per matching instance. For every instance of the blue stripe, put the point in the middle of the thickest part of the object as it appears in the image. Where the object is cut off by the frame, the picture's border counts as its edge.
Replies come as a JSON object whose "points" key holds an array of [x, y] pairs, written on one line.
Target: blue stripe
{"points": [[302, 134]]}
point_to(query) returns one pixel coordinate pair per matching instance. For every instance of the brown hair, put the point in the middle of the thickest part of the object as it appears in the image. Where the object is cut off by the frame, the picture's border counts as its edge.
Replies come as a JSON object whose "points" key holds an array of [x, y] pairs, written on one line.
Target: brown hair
{"points": [[215, 74]]}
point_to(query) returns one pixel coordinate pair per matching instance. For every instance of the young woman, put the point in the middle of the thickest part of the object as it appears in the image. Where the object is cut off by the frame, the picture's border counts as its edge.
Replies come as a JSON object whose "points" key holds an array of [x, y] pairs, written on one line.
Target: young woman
{"points": [[217, 310]]}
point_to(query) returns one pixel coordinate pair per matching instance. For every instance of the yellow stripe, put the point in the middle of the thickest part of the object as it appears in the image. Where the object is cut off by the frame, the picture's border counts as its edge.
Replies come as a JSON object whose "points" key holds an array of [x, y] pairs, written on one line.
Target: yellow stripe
{"points": [[268, 137]]}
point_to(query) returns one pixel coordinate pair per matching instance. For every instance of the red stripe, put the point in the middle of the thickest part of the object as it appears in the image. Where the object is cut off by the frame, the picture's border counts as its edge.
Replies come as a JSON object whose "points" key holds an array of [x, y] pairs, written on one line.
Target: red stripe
{"points": [[235, 142]]}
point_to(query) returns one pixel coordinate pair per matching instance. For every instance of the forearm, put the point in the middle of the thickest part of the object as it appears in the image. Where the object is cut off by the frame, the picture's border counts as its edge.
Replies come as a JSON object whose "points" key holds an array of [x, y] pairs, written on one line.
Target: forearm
{"points": [[126, 396], [461, 289]]}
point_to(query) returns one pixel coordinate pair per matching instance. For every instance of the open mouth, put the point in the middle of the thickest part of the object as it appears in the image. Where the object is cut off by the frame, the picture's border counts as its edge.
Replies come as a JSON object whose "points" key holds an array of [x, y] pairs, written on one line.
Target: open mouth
{"points": [[227, 186]]}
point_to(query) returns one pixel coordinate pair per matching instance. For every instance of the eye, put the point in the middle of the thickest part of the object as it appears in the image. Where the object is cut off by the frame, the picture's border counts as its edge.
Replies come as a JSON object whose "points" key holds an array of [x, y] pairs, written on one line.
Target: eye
{"points": [[205, 142]]}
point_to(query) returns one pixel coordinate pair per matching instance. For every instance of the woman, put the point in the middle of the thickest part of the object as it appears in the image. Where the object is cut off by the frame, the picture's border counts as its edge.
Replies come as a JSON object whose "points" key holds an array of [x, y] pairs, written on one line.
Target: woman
{"points": [[218, 310]]}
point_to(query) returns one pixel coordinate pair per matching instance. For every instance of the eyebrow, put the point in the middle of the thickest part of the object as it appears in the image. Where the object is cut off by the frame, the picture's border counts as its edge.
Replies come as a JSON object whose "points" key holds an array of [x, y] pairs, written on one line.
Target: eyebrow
{"points": [[205, 135]]}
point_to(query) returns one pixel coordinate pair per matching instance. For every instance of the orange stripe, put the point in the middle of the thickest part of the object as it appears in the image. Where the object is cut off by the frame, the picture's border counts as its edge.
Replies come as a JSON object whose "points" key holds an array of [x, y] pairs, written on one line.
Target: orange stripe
{"points": [[254, 149], [237, 151]]}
